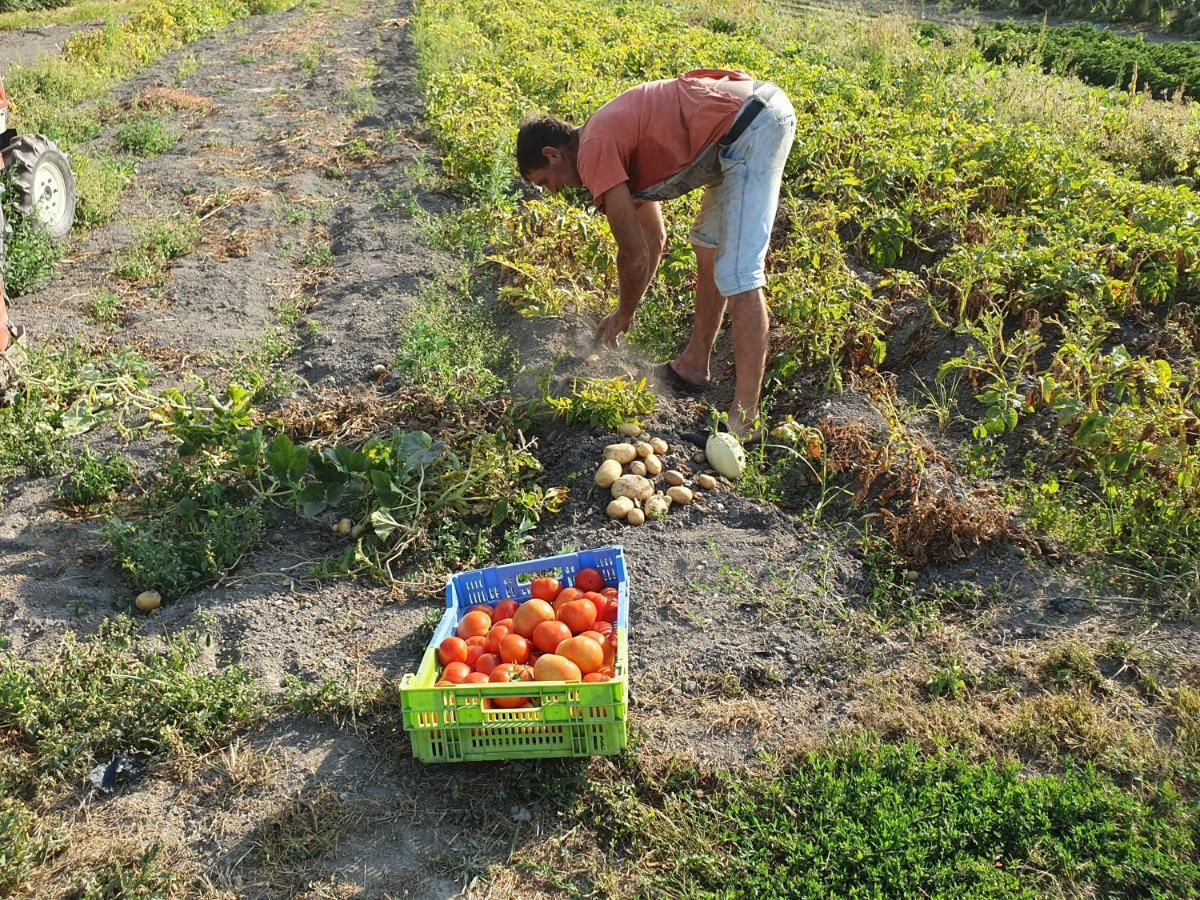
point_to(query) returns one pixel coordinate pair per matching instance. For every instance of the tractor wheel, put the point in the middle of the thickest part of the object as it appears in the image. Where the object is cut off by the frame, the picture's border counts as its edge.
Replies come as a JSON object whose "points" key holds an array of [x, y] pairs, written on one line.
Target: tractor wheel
{"points": [[42, 180]]}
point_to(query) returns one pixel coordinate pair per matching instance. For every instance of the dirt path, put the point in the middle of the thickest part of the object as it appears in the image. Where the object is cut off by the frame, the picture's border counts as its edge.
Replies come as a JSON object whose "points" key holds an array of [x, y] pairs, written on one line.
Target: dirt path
{"points": [[26, 46], [296, 130]]}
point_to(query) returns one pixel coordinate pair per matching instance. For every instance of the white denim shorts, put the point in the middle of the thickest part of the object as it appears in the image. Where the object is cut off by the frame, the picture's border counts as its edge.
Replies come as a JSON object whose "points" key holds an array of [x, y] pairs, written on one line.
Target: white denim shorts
{"points": [[737, 213]]}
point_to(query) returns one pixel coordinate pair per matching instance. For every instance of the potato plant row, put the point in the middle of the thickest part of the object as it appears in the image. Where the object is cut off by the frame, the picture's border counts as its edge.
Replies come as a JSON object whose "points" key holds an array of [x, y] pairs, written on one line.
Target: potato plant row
{"points": [[1029, 247]]}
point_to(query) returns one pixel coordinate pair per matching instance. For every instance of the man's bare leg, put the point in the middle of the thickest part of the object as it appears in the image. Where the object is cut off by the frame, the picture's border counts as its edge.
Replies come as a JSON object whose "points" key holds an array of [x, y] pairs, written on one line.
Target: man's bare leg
{"points": [[751, 321], [693, 364]]}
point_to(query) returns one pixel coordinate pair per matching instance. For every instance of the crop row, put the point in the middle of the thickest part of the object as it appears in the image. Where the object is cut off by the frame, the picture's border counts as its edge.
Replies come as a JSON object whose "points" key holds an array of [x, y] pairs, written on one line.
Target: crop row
{"points": [[1096, 56], [1030, 248]]}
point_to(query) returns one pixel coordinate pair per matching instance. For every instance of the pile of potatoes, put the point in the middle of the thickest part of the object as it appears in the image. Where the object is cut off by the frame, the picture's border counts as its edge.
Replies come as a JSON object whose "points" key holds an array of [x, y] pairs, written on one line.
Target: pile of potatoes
{"points": [[629, 471]]}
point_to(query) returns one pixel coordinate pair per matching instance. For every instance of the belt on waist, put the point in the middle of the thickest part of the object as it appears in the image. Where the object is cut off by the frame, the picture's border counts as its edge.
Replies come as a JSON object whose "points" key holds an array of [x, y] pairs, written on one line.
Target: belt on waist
{"points": [[751, 109]]}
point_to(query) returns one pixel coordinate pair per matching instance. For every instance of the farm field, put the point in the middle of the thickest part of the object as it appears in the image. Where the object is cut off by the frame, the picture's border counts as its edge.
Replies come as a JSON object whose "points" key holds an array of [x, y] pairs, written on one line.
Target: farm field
{"points": [[940, 638]]}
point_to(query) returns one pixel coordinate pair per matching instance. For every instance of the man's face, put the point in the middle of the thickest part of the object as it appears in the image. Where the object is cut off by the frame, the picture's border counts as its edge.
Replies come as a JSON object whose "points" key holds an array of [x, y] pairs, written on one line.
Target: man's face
{"points": [[558, 173]]}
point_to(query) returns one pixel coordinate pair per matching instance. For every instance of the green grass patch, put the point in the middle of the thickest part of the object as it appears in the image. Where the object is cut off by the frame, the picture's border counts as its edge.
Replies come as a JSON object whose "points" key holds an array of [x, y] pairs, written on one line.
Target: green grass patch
{"points": [[33, 16], [889, 821], [155, 246], [147, 136], [101, 180], [109, 693], [450, 345], [62, 717]]}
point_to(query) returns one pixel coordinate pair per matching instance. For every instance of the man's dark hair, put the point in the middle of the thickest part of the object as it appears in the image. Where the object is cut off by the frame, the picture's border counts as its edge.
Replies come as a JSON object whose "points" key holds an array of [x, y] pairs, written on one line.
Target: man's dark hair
{"points": [[539, 132]]}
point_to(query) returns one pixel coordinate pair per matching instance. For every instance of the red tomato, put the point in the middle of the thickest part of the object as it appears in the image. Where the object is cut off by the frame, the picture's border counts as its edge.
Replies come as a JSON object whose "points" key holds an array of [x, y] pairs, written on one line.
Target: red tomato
{"points": [[599, 601], [456, 672], [528, 616], [487, 663], [548, 635], [566, 595], [595, 676], [611, 593], [610, 614], [578, 615], [544, 589], [476, 678], [473, 654], [481, 607], [476, 640], [514, 649], [604, 628], [452, 649], [589, 580], [494, 637], [473, 623], [584, 652], [507, 623], [506, 674], [505, 609]]}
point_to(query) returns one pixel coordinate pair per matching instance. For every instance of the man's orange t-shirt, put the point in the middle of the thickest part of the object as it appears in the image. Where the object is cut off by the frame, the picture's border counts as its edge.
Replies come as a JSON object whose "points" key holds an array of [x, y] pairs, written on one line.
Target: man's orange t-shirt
{"points": [[655, 130]]}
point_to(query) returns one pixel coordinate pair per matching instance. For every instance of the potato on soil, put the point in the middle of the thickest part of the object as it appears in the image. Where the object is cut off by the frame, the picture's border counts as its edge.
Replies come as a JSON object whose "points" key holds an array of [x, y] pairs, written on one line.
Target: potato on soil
{"points": [[609, 471], [148, 600], [657, 506], [643, 449], [673, 477], [653, 464], [619, 508], [622, 453], [629, 429], [635, 516], [706, 481], [633, 486], [680, 495], [637, 467], [659, 446]]}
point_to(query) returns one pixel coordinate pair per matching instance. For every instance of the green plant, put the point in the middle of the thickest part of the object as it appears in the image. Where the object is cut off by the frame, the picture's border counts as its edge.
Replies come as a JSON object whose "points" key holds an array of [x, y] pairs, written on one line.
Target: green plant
{"points": [[65, 392], [1096, 55], [890, 821], [950, 680], [332, 699], [94, 480], [77, 709], [105, 307], [450, 346], [30, 255], [602, 403], [156, 244], [189, 530], [136, 876], [1072, 664], [147, 135], [100, 181]]}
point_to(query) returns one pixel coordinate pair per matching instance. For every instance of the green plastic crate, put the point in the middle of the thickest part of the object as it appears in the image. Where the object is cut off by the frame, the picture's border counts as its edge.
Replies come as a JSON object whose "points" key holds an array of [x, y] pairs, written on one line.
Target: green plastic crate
{"points": [[450, 724]]}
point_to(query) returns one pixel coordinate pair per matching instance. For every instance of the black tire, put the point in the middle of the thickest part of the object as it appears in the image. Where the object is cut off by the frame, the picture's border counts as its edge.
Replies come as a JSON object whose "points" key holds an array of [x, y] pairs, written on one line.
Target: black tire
{"points": [[42, 180]]}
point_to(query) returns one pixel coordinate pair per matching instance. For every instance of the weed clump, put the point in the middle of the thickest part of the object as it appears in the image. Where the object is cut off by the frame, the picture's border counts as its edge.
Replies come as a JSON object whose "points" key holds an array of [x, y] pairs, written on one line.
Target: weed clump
{"points": [[192, 528]]}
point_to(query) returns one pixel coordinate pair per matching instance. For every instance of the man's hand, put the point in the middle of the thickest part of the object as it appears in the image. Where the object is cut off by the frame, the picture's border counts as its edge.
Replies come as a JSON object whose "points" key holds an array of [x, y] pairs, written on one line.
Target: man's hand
{"points": [[611, 326]]}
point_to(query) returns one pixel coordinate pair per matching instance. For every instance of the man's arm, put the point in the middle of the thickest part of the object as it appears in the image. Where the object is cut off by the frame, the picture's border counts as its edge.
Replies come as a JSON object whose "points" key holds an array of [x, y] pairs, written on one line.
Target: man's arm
{"points": [[637, 260]]}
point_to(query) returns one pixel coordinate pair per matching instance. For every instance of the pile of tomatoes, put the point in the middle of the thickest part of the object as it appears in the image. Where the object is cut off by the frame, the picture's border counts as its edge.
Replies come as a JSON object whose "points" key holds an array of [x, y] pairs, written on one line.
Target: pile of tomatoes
{"points": [[558, 634]]}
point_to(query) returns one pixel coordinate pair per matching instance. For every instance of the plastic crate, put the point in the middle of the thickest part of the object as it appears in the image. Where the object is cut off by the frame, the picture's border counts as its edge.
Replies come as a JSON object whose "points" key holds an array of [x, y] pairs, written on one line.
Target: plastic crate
{"points": [[451, 724]]}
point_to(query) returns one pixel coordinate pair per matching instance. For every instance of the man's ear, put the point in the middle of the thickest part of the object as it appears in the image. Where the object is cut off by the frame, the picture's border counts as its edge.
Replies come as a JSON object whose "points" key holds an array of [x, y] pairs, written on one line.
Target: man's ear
{"points": [[552, 154]]}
